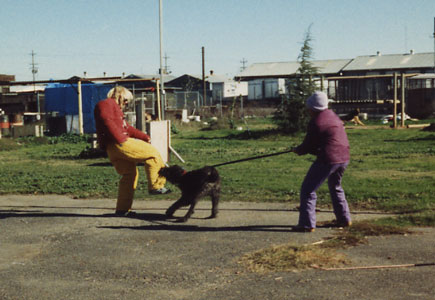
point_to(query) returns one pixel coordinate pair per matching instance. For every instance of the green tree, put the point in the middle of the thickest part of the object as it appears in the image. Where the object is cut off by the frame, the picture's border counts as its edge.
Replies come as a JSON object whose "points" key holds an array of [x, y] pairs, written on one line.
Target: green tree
{"points": [[291, 116]]}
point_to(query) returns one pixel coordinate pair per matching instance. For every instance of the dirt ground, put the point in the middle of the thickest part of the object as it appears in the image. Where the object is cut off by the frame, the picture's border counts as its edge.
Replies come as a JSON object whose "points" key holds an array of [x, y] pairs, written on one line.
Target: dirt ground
{"points": [[55, 247]]}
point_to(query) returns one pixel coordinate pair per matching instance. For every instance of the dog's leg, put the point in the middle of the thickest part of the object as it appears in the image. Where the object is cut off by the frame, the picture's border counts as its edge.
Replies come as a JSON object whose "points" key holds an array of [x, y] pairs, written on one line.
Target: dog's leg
{"points": [[190, 211], [174, 207], [215, 204]]}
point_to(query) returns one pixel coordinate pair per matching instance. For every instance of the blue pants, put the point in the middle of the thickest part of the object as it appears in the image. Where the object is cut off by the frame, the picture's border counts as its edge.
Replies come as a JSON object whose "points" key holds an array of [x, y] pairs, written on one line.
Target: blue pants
{"points": [[316, 175]]}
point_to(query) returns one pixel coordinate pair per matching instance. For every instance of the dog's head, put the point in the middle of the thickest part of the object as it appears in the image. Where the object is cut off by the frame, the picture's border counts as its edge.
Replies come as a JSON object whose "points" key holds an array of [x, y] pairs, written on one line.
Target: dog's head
{"points": [[173, 173]]}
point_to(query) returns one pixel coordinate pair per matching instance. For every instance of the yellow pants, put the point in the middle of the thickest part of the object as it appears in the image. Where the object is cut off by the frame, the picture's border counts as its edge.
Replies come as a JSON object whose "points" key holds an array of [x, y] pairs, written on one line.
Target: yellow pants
{"points": [[124, 158]]}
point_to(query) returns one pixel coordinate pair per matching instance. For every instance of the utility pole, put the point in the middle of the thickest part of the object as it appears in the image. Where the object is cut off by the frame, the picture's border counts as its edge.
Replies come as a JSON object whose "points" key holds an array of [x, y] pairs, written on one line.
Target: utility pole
{"points": [[34, 69], [161, 59], [204, 86], [243, 62]]}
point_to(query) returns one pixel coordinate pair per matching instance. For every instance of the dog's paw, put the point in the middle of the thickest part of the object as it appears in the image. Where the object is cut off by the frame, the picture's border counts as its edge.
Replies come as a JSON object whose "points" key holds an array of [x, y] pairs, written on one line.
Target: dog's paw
{"points": [[181, 220], [212, 217]]}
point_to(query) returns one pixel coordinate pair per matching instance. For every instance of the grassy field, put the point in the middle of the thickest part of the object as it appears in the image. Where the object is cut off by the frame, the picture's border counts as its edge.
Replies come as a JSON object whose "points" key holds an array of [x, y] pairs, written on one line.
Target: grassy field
{"points": [[390, 170]]}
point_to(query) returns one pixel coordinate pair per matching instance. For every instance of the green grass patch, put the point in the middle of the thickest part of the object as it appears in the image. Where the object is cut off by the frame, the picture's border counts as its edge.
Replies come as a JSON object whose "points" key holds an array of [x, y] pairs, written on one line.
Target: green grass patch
{"points": [[8, 145], [421, 219], [390, 170]]}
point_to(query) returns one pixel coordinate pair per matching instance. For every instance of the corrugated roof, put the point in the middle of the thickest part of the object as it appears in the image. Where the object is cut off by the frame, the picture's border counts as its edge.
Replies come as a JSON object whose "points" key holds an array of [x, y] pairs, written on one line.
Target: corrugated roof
{"points": [[391, 61], [270, 69], [166, 77], [27, 88], [209, 78], [218, 78], [423, 76], [331, 66], [277, 69]]}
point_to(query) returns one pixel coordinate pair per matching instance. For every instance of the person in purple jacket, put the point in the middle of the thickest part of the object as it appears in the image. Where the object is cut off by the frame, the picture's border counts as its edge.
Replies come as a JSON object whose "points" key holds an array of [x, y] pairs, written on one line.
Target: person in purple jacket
{"points": [[327, 139]]}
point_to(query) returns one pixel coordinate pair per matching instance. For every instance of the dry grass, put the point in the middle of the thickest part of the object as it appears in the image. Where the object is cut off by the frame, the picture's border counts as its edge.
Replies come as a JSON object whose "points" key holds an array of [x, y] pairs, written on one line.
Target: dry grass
{"points": [[289, 258], [322, 255]]}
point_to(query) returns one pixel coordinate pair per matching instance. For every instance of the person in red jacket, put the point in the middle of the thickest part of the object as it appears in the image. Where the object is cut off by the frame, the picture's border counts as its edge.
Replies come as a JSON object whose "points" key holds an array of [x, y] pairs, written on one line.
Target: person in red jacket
{"points": [[326, 139], [126, 146]]}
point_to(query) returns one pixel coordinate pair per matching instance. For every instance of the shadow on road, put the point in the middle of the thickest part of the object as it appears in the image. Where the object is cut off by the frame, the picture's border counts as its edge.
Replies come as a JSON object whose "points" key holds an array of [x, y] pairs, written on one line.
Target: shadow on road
{"points": [[195, 228], [149, 217], [4, 214]]}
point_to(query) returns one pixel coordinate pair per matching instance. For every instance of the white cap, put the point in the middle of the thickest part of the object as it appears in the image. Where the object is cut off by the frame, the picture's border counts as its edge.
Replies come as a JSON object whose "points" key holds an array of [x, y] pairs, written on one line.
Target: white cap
{"points": [[318, 101]]}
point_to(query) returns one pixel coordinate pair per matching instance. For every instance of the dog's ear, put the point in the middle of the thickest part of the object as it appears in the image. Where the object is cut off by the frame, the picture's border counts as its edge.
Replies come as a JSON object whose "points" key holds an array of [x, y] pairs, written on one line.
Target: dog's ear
{"points": [[162, 171], [177, 168]]}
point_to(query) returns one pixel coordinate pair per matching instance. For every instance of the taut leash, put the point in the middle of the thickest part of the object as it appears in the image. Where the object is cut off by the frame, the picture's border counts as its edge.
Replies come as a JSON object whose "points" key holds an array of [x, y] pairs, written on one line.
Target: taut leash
{"points": [[251, 158]]}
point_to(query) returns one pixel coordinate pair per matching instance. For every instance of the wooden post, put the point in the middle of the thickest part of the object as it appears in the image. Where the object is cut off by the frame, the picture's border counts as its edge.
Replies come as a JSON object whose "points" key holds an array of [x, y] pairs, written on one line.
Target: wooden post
{"points": [[241, 107], [140, 115], [159, 115], [395, 101], [321, 82], [402, 119], [79, 92]]}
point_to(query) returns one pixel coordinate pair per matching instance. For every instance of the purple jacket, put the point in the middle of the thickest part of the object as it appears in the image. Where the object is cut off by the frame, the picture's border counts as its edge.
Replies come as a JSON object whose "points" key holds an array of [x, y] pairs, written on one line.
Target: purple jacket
{"points": [[326, 138]]}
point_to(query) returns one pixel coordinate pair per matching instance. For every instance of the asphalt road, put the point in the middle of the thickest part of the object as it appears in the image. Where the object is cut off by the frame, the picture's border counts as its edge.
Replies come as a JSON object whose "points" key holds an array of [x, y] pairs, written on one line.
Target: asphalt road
{"points": [[55, 247]]}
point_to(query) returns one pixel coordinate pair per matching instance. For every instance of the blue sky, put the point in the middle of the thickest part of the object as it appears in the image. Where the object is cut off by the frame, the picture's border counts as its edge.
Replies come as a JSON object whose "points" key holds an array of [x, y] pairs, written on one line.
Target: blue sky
{"points": [[114, 36]]}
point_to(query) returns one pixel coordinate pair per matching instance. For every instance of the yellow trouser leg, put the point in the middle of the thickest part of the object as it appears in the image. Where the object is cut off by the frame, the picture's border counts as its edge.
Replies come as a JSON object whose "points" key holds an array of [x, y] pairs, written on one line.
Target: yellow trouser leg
{"points": [[127, 183], [134, 150], [152, 168]]}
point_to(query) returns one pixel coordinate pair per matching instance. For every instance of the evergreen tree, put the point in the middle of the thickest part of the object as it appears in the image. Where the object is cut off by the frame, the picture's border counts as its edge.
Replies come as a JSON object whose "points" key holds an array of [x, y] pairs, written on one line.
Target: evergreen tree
{"points": [[291, 116]]}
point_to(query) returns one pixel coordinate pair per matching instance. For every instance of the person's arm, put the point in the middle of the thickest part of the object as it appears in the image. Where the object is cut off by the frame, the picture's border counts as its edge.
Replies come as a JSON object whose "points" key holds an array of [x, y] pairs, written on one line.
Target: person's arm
{"points": [[310, 144], [138, 134]]}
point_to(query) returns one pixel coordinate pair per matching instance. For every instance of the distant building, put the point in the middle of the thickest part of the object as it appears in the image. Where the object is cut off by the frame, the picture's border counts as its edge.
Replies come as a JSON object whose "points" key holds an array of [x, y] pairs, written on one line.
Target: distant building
{"points": [[268, 80], [16, 100], [4, 87], [379, 64], [218, 88], [365, 81], [188, 83]]}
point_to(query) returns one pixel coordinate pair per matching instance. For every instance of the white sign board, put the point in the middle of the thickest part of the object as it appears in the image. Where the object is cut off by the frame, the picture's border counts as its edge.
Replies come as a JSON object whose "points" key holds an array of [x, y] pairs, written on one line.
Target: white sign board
{"points": [[235, 89]]}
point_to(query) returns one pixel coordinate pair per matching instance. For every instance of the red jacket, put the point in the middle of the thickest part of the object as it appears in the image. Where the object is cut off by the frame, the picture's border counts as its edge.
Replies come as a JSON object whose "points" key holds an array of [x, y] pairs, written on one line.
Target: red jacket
{"points": [[111, 126]]}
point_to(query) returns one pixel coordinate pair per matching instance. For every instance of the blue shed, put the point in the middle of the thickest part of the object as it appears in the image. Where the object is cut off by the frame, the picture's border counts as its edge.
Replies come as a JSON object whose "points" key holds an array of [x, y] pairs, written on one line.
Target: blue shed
{"points": [[63, 99]]}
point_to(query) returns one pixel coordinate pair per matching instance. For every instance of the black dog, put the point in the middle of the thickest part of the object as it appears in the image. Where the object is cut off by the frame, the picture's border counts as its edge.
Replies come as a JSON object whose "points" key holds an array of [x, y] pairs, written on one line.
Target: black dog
{"points": [[193, 185]]}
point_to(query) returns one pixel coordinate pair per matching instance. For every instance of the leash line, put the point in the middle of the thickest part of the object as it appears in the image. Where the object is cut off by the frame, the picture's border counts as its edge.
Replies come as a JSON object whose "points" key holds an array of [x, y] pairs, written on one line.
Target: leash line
{"points": [[250, 158]]}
